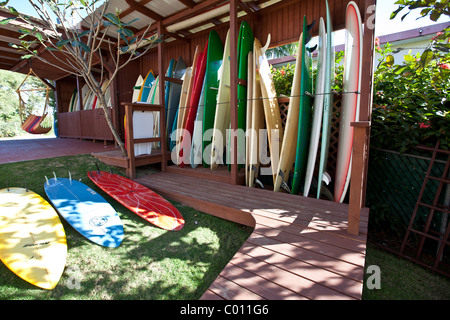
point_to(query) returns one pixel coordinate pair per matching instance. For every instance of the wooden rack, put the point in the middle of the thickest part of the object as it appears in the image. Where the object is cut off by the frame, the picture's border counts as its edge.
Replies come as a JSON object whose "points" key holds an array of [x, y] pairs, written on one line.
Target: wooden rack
{"points": [[130, 162]]}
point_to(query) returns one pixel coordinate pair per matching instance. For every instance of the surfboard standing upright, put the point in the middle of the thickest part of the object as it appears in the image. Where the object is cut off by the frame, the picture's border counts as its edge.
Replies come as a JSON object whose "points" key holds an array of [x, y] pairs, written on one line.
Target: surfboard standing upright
{"points": [[214, 62], [86, 211], [137, 89], [327, 103], [222, 117], [257, 118], [32, 239], [317, 110], [174, 99], [146, 86], [139, 199], [195, 98], [245, 45], [288, 148], [350, 99], [304, 115], [271, 110]]}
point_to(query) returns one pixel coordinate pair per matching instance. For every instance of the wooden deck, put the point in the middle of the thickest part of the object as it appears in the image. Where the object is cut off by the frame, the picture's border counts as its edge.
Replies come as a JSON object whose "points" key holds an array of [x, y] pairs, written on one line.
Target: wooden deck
{"points": [[299, 248]]}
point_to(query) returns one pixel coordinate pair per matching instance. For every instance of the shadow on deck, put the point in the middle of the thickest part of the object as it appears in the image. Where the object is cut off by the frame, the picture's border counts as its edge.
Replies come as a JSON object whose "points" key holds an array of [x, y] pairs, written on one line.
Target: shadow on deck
{"points": [[299, 249]]}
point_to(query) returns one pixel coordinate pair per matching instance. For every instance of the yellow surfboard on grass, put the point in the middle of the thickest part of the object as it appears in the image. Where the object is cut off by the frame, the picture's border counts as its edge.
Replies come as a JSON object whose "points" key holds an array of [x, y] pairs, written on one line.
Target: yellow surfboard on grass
{"points": [[32, 239]]}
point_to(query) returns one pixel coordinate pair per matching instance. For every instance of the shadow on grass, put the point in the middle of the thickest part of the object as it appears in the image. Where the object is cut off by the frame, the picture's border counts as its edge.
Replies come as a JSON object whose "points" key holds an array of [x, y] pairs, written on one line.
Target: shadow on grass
{"points": [[150, 263]]}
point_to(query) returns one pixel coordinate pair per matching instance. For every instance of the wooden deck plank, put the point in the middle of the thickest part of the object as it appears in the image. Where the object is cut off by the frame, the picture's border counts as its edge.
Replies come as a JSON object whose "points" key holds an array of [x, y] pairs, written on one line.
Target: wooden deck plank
{"points": [[252, 200], [309, 252], [229, 290], [308, 269], [257, 284], [287, 279], [299, 249]]}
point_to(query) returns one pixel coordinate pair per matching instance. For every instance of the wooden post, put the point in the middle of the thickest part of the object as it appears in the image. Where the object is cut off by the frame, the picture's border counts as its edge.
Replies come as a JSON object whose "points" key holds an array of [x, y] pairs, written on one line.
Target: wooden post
{"points": [[131, 166], [362, 127], [162, 117], [233, 87]]}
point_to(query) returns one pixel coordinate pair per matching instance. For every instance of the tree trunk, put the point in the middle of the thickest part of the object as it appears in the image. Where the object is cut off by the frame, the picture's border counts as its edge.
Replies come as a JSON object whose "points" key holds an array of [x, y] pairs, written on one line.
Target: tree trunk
{"points": [[101, 99]]}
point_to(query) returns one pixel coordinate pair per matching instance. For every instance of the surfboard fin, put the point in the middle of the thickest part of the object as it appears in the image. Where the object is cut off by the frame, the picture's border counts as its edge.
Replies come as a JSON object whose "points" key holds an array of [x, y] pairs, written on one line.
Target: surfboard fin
{"points": [[285, 186], [70, 177], [326, 178], [46, 179], [259, 183], [309, 94], [54, 174], [264, 49], [312, 49], [324, 190]]}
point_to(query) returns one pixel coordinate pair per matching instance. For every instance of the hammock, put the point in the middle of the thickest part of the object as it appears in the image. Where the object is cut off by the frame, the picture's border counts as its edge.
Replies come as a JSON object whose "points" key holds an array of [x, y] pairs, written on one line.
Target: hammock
{"points": [[32, 123]]}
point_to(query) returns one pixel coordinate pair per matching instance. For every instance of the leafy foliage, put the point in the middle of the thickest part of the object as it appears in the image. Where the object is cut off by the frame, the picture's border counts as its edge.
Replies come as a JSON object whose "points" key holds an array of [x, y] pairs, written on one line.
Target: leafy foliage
{"points": [[282, 78], [76, 48], [411, 99], [9, 103]]}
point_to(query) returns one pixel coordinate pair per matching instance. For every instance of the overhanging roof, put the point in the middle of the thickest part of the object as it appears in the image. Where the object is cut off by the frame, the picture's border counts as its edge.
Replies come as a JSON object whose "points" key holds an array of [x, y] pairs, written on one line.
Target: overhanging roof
{"points": [[180, 19]]}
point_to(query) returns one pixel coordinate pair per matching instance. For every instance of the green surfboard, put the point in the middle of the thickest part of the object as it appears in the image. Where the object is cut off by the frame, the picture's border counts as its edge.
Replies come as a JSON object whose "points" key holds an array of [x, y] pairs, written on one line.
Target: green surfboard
{"points": [[304, 117], [213, 63], [245, 45]]}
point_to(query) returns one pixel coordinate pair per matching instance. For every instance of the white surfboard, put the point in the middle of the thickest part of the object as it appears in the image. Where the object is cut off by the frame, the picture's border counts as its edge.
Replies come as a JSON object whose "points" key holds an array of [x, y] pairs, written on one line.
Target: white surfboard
{"points": [[317, 109], [350, 99], [143, 128], [197, 134], [323, 176], [137, 88]]}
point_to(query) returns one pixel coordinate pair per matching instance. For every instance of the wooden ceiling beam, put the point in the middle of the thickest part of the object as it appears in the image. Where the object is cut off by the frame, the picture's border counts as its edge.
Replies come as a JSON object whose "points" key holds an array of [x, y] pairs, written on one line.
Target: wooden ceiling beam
{"points": [[188, 3], [189, 13], [249, 10], [144, 10]]}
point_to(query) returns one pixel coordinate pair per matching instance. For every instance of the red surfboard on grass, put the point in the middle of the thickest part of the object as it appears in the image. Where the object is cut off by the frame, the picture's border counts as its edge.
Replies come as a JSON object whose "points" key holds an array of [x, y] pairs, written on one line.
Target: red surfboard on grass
{"points": [[139, 199]]}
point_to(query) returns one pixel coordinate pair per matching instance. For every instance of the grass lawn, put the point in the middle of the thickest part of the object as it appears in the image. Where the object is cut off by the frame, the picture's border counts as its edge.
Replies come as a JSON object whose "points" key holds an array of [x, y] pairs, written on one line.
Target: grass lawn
{"points": [[152, 263]]}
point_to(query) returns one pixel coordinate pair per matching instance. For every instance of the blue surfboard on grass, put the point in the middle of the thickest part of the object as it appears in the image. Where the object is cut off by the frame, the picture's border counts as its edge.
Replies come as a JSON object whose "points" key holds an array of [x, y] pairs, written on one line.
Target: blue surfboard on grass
{"points": [[86, 211]]}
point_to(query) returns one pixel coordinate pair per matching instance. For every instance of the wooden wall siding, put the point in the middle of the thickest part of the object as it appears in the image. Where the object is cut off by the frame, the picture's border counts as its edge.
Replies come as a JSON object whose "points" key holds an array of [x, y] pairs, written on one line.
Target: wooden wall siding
{"points": [[285, 22]]}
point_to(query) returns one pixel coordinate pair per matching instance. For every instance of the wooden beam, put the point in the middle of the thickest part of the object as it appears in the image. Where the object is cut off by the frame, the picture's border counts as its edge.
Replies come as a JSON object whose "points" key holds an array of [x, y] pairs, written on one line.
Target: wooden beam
{"points": [[162, 81], [144, 10], [361, 134], [188, 13], [188, 3], [233, 87], [252, 14]]}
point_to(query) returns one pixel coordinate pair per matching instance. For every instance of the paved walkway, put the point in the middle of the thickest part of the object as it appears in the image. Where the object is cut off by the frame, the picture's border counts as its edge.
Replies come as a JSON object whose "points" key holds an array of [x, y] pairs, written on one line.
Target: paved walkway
{"points": [[23, 149]]}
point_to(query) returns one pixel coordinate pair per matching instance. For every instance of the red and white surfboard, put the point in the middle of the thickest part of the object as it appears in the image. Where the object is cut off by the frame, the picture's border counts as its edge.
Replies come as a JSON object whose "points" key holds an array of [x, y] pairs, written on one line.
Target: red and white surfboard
{"points": [[139, 199], [350, 99]]}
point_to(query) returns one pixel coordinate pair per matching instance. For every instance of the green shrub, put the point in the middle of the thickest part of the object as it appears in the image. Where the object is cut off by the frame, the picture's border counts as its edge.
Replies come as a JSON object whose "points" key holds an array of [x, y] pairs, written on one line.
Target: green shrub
{"points": [[411, 101]]}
